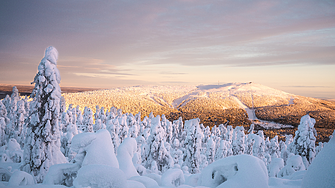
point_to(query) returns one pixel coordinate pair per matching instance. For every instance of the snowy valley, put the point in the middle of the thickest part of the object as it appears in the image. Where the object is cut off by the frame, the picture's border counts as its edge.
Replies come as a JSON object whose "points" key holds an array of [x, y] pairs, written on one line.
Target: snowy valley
{"points": [[52, 140]]}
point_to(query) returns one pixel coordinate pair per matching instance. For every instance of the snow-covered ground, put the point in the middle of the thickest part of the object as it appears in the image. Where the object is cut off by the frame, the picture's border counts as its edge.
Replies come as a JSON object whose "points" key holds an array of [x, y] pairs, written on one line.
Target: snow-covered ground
{"points": [[97, 163]]}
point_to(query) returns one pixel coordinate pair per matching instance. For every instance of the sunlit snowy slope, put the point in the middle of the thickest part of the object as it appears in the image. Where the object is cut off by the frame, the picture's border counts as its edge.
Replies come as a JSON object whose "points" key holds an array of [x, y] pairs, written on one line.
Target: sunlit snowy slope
{"points": [[238, 103]]}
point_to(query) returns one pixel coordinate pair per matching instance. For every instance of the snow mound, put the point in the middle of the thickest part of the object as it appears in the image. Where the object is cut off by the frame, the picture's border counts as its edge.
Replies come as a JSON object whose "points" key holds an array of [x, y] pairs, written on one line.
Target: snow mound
{"points": [[294, 164], [321, 173], [275, 166], [173, 178], [134, 184], [97, 176], [19, 178], [146, 181], [235, 171], [97, 148], [125, 153], [60, 173]]}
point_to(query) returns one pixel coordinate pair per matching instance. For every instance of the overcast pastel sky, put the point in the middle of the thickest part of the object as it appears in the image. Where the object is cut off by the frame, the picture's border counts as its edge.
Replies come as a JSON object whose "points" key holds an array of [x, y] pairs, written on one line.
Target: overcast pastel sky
{"points": [[287, 45]]}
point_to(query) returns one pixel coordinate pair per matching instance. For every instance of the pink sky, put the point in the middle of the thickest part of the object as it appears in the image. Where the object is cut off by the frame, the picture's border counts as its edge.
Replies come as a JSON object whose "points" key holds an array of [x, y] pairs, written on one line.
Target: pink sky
{"points": [[287, 45]]}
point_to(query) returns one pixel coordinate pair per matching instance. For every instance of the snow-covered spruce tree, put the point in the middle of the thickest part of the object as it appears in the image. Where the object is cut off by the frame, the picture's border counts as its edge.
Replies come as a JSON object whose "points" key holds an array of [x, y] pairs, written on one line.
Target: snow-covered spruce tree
{"points": [[238, 141], [15, 97], [2, 131], [229, 134], [304, 139], [274, 149], [79, 120], [210, 151], [155, 149], [169, 129], [3, 123], [223, 131], [192, 145], [62, 106], [259, 145], [113, 128], [19, 121], [11, 109], [26, 106], [177, 154], [87, 120], [97, 112], [124, 129], [7, 103], [207, 133], [222, 151], [250, 141], [42, 144], [102, 116], [70, 114]]}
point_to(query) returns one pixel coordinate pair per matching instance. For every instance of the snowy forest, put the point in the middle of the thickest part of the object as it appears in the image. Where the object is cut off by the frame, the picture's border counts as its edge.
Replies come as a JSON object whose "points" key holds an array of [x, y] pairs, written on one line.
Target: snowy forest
{"points": [[45, 142]]}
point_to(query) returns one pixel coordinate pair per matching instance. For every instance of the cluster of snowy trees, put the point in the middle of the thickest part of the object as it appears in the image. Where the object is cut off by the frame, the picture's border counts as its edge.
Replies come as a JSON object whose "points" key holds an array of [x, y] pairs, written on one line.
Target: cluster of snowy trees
{"points": [[54, 144]]}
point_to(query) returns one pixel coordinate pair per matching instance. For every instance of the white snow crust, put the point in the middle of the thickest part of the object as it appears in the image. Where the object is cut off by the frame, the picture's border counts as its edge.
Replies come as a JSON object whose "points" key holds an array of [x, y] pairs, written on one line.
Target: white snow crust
{"points": [[97, 176]]}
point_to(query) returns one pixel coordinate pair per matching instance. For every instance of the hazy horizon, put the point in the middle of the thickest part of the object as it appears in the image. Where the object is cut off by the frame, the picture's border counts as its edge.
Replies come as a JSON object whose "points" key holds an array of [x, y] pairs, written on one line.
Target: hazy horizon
{"points": [[288, 46]]}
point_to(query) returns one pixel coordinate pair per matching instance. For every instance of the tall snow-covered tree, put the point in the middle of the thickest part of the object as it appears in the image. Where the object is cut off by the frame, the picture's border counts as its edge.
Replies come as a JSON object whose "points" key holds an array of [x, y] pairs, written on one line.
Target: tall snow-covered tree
{"points": [[42, 144], [238, 141], [210, 151], [155, 149], [87, 120], [304, 139], [62, 106], [274, 150], [3, 123], [192, 145], [6, 101], [79, 120], [19, 121], [2, 131], [11, 109], [15, 97]]}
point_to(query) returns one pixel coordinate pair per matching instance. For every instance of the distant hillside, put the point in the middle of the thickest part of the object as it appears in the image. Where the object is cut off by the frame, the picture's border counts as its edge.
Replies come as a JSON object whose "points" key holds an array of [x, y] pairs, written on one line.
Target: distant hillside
{"points": [[238, 103], [25, 90]]}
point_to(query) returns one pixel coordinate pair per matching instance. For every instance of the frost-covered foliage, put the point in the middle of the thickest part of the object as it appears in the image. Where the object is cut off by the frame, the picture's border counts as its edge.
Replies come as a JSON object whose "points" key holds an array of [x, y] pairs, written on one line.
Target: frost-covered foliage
{"points": [[304, 140], [11, 152], [192, 145], [238, 141], [155, 151], [87, 120], [42, 143]]}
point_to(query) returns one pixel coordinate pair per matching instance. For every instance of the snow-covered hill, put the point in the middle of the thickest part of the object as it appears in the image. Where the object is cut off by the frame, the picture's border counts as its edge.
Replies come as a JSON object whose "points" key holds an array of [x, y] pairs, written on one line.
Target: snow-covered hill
{"points": [[238, 103]]}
